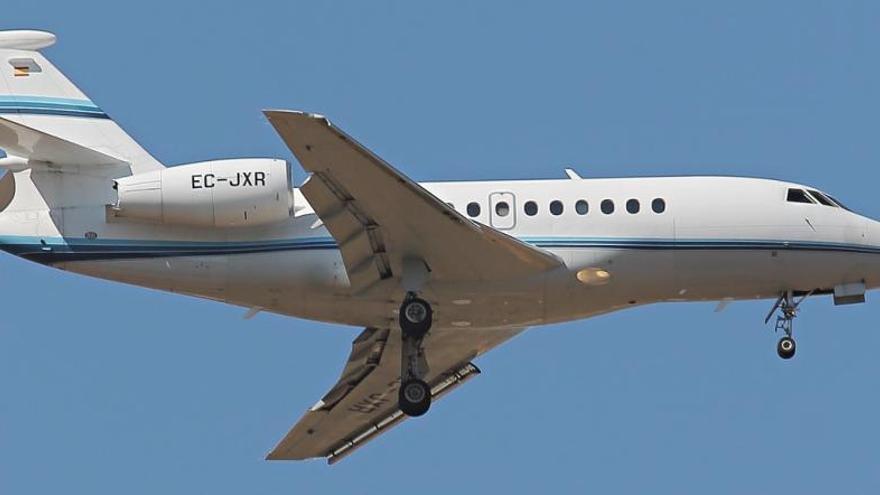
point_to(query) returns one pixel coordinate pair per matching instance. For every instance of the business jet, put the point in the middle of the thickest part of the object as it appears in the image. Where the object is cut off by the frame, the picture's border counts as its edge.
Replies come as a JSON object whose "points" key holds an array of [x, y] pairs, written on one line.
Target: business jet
{"points": [[436, 273]]}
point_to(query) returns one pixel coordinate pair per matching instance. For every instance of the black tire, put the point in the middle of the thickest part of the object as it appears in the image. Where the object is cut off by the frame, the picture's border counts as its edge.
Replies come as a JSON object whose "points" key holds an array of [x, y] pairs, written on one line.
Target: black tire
{"points": [[416, 317], [414, 397], [786, 348]]}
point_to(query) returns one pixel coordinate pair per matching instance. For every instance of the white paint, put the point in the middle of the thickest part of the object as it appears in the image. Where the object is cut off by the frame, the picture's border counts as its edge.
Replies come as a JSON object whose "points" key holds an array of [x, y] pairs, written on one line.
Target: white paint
{"points": [[218, 193], [715, 239], [26, 39]]}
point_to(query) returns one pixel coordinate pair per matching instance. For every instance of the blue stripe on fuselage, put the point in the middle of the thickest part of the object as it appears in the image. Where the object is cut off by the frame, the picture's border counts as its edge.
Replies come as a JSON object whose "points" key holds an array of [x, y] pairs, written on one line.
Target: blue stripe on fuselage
{"points": [[55, 249]]}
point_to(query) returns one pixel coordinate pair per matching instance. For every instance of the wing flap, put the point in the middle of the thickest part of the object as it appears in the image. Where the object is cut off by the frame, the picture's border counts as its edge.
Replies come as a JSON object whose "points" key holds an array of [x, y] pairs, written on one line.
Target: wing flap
{"points": [[366, 351], [351, 189], [359, 237]]}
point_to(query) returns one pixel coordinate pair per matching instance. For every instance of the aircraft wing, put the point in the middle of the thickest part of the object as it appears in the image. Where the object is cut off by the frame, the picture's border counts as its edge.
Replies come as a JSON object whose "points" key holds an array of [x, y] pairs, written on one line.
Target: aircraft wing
{"points": [[378, 216], [363, 403]]}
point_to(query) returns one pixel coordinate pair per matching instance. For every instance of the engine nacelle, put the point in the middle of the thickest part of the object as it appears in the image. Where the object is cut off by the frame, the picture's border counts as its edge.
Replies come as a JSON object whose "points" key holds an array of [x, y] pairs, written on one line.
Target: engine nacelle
{"points": [[222, 193]]}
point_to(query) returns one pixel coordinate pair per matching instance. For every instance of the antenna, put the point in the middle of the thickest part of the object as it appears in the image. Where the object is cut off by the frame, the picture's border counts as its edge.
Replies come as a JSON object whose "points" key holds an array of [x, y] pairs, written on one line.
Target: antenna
{"points": [[572, 174]]}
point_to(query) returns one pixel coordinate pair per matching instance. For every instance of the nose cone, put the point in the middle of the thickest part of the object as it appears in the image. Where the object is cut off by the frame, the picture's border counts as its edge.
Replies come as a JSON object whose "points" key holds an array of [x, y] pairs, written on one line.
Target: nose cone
{"points": [[870, 264]]}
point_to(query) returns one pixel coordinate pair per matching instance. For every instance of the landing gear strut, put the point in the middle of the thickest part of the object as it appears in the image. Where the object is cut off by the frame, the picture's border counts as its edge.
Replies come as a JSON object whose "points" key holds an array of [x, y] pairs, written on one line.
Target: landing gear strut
{"points": [[416, 316], [788, 307]]}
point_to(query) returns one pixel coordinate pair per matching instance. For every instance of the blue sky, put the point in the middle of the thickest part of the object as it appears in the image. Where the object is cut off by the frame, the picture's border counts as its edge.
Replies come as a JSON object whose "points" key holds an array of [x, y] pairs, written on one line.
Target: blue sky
{"points": [[113, 389]]}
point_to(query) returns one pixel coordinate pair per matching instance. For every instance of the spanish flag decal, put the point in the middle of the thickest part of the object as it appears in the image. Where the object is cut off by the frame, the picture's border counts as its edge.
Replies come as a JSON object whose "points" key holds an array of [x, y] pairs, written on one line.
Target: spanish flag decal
{"points": [[24, 67]]}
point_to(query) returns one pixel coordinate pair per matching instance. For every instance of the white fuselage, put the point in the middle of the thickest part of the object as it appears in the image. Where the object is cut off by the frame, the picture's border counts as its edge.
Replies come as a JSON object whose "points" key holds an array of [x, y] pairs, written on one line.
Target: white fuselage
{"points": [[717, 238]]}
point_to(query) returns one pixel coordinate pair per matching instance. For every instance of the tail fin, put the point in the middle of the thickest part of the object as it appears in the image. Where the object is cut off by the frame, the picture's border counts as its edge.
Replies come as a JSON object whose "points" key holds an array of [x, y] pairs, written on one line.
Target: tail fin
{"points": [[37, 96]]}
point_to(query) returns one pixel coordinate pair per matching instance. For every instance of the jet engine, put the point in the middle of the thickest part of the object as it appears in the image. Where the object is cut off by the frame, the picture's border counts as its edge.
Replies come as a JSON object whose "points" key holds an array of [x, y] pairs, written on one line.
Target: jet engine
{"points": [[221, 193]]}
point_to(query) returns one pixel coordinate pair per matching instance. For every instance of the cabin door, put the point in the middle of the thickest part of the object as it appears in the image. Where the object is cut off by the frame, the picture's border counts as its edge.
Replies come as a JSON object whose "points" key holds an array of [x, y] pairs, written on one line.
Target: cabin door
{"points": [[502, 210]]}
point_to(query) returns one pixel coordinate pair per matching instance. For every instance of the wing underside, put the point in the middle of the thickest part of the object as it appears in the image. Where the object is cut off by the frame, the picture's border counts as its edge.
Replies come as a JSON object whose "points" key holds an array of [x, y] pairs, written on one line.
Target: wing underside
{"points": [[363, 403], [388, 227]]}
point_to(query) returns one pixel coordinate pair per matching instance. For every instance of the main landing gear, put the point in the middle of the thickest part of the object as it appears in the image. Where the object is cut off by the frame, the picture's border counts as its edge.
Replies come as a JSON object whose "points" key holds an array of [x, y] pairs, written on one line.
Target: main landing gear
{"points": [[788, 307], [416, 316]]}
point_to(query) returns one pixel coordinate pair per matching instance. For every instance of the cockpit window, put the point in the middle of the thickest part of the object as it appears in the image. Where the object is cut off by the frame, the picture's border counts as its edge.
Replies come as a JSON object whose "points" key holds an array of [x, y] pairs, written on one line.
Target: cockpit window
{"points": [[798, 196], [837, 202], [821, 198]]}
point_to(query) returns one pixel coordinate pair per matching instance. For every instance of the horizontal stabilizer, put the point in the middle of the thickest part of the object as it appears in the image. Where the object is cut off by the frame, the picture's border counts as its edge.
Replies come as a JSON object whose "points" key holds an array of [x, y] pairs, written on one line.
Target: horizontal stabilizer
{"points": [[26, 142]]}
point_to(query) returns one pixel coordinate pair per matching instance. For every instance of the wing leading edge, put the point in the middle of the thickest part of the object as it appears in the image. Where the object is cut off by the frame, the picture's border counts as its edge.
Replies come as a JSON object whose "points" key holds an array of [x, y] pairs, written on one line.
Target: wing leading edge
{"points": [[382, 221], [378, 216]]}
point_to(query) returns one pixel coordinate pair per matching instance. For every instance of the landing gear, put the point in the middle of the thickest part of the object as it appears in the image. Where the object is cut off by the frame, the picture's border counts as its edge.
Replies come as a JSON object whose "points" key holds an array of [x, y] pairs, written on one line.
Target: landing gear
{"points": [[786, 347], [788, 307], [415, 317], [414, 395]]}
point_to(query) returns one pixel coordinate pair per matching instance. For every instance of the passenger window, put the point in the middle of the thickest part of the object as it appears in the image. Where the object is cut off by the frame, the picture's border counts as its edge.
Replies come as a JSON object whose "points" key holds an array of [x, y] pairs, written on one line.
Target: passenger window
{"points": [[582, 207], [798, 196], [556, 207], [473, 210], [632, 206], [531, 208], [658, 205], [820, 198], [607, 206], [502, 209]]}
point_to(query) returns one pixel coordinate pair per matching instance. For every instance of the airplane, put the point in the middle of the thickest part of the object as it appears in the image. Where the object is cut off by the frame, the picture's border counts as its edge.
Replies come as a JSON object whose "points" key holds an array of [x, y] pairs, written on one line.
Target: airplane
{"points": [[435, 273]]}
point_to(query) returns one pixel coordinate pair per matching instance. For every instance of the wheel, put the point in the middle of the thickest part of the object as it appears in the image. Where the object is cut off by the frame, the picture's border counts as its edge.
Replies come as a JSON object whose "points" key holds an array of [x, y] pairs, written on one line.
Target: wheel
{"points": [[416, 316], [414, 397], [786, 347]]}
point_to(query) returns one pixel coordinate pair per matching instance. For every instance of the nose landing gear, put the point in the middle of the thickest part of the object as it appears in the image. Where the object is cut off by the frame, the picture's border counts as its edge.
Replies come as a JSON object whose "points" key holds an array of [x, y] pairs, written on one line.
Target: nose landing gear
{"points": [[786, 347], [414, 395], [788, 307]]}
